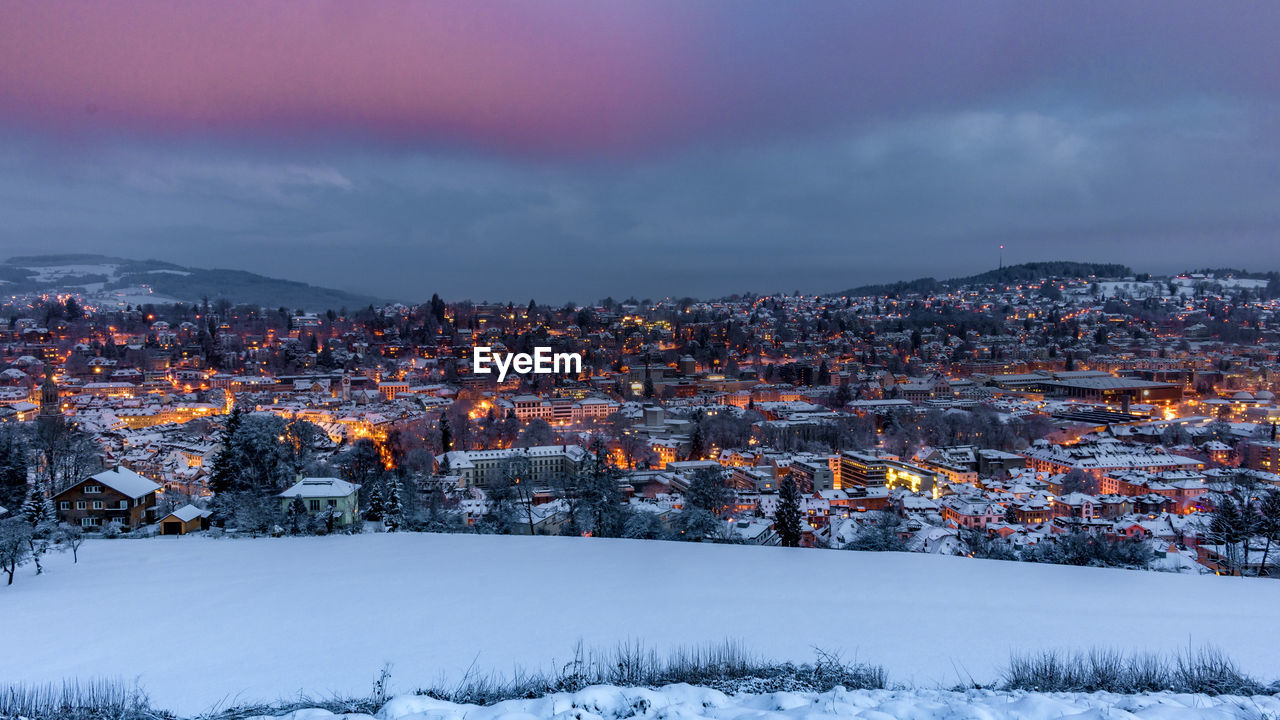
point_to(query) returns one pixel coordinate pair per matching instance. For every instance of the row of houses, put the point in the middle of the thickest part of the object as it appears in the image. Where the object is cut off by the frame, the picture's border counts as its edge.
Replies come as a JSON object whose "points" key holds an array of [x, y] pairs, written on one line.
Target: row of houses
{"points": [[123, 499]]}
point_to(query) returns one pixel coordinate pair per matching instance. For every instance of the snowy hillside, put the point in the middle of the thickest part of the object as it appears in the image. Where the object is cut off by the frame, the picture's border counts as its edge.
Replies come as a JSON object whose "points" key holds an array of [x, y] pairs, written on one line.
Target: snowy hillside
{"points": [[202, 621], [109, 282], [689, 703]]}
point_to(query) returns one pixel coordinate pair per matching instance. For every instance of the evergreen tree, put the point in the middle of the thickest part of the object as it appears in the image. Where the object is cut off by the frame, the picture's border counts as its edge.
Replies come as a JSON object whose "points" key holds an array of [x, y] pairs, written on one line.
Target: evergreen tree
{"points": [[786, 521], [879, 536], [697, 440], [446, 434], [393, 515], [500, 511], [1269, 527], [296, 516], [13, 468], [225, 471], [602, 501], [377, 505], [39, 514], [843, 395], [643, 525], [37, 510], [824, 374], [977, 543], [708, 492]]}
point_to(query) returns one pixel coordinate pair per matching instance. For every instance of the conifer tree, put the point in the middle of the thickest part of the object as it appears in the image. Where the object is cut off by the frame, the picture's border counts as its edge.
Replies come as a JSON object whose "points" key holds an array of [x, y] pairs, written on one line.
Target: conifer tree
{"points": [[393, 516], [224, 474], [786, 521], [297, 515], [377, 505], [446, 434], [37, 510], [13, 469], [40, 516], [697, 441]]}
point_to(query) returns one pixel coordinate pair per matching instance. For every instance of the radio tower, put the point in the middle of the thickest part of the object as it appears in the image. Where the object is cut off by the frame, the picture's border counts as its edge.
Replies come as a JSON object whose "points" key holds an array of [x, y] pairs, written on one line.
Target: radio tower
{"points": [[1001, 256]]}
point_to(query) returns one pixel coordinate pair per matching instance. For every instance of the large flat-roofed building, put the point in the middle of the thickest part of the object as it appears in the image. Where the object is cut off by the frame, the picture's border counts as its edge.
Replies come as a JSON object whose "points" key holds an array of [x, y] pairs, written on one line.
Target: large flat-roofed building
{"points": [[1261, 455], [872, 471], [1117, 390], [813, 475], [1042, 381], [1090, 385]]}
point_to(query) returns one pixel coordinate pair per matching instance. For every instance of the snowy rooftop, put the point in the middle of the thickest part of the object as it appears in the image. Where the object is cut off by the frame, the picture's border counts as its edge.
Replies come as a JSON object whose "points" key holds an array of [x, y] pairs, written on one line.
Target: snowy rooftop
{"points": [[187, 513], [126, 482], [320, 488]]}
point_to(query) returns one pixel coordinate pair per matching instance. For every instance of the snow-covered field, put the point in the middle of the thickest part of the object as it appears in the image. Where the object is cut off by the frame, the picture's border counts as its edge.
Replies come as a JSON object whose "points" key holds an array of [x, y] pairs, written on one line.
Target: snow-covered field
{"points": [[57, 273], [200, 621], [687, 703]]}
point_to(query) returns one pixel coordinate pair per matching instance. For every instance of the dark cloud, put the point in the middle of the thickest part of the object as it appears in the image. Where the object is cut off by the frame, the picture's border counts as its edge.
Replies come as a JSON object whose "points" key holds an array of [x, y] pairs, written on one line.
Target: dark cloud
{"points": [[1163, 188], [571, 149]]}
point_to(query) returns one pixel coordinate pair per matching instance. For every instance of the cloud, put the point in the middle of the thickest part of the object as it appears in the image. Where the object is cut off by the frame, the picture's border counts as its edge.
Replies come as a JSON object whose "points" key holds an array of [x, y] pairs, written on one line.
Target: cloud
{"points": [[598, 78], [930, 194], [279, 182]]}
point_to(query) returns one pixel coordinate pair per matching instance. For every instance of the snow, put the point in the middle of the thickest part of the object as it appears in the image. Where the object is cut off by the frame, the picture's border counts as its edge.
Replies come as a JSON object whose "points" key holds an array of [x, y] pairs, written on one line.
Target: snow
{"points": [[204, 621], [126, 482], [690, 703], [320, 487], [188, 512], [1186, 286], [56, 273]]}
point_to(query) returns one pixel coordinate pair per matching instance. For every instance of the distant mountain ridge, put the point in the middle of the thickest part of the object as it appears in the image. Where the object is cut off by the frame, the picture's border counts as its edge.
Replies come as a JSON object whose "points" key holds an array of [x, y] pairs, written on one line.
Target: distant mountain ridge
{"points": [[1009, 275], [109, 277]]}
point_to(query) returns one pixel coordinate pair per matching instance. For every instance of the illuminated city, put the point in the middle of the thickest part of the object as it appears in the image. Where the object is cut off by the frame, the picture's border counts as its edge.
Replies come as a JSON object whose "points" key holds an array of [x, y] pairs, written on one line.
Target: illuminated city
{"points": [[639, 360]]}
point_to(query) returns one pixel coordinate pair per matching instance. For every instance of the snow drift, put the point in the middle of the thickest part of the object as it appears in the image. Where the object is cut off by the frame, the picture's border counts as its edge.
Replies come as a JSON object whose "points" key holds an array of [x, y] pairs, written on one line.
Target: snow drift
{"points": [[691, 703]]}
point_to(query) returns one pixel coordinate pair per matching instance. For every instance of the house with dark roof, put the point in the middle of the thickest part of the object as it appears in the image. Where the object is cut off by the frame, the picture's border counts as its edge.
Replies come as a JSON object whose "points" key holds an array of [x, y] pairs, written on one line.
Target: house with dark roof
{"points": [[119, 495]]}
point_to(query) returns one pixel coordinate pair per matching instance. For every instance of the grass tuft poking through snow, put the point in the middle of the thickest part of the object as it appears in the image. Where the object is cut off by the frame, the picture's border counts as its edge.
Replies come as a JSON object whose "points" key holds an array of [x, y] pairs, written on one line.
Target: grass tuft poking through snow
{"points": [[724, 680], [726, 666], [1205, 671], [99, 699]]}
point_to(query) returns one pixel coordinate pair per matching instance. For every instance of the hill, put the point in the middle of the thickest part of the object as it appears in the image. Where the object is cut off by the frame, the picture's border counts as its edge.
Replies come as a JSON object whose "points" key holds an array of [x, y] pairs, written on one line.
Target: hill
{"points": [[200, 620], [112, 280], [1010, 275]]}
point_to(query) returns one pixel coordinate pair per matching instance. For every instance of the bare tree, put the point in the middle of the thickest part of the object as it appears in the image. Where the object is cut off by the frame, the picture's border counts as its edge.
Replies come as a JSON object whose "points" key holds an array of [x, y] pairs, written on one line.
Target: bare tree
{"points": [[15, 545], [71, 537], [517, 472]]}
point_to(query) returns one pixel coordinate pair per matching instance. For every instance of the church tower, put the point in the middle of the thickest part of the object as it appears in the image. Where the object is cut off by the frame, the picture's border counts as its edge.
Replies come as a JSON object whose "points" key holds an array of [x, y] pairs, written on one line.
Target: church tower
{"points": [[50, 404]]}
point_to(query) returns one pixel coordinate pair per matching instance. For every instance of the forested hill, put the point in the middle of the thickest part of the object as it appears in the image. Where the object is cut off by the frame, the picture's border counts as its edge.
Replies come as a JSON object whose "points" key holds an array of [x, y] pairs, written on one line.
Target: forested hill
{"points": [[107, 279], [1011, 275]]}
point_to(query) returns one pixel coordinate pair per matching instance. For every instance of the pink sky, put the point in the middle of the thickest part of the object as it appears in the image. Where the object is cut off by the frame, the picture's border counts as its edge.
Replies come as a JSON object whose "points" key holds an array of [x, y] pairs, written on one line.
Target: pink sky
{"points": [[505, 73], [543, 76]]}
